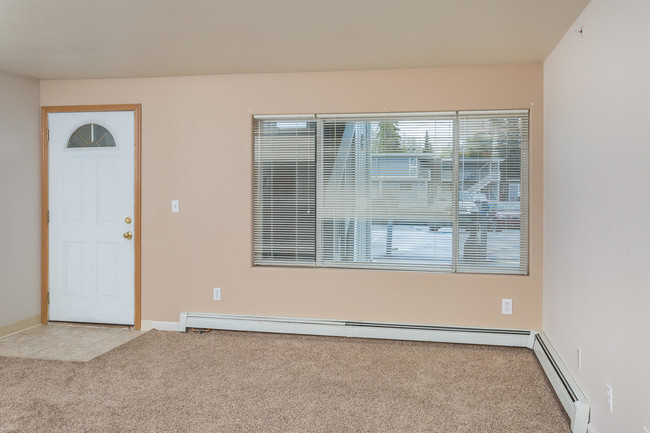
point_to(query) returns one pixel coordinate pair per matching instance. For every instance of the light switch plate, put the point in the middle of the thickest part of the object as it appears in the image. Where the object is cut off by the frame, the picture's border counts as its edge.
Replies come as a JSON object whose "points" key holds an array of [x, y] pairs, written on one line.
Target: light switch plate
{"points": [[175, 206]]}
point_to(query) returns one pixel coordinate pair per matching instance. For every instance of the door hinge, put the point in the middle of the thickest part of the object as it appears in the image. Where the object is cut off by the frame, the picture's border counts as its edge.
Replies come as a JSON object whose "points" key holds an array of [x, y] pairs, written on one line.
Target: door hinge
{"points": [[48, 298], [48, 216], [47, 134]]}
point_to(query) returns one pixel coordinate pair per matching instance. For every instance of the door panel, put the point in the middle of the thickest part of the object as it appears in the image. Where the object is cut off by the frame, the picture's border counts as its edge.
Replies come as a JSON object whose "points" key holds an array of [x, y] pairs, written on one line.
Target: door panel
{"points": [[73, 190], [107, 268], [106, 192], [72, 256], [91, 192]]}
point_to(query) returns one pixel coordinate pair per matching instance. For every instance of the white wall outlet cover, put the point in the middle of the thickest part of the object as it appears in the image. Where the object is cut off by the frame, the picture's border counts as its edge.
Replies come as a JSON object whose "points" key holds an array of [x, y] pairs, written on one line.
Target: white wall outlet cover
{"points": [[176, 206], [217, 294], [506, 306]]}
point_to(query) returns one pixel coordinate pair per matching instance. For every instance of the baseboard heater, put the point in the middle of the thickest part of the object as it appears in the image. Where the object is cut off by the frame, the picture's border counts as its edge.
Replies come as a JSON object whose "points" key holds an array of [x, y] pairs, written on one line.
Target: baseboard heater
{"points": [[342, 328], [574, 402], [567, 390]]}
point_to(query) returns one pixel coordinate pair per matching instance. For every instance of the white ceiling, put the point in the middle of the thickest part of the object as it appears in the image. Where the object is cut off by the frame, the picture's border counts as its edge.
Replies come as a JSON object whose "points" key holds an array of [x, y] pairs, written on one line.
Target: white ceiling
{"points": [[147, 38]]}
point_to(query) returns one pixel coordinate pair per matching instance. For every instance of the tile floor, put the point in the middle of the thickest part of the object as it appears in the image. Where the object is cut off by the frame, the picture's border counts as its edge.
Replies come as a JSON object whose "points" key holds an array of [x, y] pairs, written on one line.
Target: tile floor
{"points": [[65, 342]]}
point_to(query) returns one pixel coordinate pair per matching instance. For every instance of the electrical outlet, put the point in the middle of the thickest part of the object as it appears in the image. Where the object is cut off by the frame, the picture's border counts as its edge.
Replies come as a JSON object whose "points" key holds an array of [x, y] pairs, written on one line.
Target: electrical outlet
{"points": [[217, 294], [506, 306], [579, 359], [610, 398]]}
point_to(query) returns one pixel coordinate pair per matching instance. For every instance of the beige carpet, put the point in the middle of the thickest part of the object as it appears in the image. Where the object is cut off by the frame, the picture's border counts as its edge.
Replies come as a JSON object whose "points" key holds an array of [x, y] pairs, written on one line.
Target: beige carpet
{"points": [[249, 382]]}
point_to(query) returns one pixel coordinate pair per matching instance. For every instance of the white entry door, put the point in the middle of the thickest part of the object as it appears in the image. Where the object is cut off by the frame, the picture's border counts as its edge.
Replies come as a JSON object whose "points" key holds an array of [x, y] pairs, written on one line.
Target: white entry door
{"points": [[91, 205]]}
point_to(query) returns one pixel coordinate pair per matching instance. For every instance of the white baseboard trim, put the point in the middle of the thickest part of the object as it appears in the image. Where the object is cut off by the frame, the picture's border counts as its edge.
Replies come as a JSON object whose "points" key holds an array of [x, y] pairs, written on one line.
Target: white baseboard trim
{"points": [[146, 325], [21, 325], [165, 326]]}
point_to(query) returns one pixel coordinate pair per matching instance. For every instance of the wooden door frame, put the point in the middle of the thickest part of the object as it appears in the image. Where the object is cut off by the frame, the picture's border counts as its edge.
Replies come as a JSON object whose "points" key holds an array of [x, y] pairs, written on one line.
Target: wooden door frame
{"points": [[137, 215]]}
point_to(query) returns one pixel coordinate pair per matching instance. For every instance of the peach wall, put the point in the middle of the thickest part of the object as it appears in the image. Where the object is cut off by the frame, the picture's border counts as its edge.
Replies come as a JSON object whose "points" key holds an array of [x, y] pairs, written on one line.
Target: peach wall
{"points": [[197, 148]]}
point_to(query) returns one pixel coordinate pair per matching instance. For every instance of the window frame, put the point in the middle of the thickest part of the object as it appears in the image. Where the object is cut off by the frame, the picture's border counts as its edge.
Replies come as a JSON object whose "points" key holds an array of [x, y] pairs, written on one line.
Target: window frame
{"points": [[320, 119]]}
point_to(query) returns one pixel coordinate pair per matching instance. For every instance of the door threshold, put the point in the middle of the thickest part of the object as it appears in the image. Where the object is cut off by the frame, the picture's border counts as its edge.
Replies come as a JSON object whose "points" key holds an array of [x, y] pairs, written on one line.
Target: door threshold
{"points": [[87, 324]]}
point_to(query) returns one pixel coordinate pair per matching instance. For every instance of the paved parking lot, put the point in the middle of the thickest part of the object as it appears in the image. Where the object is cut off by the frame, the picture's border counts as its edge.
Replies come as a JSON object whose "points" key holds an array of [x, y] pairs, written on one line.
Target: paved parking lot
{"points": [[415, 243]]}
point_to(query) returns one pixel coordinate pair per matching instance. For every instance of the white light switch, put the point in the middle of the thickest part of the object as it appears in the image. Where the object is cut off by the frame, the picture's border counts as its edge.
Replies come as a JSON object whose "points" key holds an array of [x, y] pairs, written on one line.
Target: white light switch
{"points": [[175, 206]]}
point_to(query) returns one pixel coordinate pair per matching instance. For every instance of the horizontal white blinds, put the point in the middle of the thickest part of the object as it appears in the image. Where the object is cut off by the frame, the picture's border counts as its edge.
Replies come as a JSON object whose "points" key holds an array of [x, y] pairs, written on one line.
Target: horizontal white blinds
{"points": [[432, 191], [284, 191], [493, 175], [383, 185]]}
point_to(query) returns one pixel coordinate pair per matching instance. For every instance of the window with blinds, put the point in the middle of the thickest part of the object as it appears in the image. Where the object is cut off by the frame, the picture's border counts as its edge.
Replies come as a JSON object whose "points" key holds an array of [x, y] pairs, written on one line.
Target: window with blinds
{"points": [[285, 192], [432, 191]]}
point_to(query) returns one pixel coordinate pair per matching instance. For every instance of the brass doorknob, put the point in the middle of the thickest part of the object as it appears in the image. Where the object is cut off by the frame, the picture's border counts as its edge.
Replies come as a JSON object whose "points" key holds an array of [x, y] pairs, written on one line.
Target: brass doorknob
{"points": [[128, 235]]}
